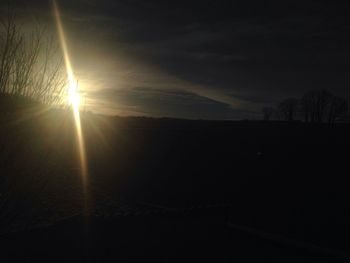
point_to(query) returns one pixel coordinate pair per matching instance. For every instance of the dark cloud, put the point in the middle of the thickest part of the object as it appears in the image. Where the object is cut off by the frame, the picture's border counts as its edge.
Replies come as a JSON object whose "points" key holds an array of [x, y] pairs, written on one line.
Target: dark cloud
{"points": [[253, 51]]}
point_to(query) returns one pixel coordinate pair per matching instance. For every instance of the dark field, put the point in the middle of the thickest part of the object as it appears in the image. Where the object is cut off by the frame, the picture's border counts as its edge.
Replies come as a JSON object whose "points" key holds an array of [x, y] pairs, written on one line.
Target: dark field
{"points": [[173, 190]]}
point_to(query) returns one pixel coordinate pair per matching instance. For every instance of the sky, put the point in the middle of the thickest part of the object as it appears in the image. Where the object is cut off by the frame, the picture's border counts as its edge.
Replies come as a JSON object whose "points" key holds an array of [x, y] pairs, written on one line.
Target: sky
{"points": [[201, 59]]}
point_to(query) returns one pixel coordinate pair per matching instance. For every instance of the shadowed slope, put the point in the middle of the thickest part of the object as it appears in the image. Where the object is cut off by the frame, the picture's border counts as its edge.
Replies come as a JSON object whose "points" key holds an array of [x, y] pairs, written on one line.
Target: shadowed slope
{"points": [[279, 178]]}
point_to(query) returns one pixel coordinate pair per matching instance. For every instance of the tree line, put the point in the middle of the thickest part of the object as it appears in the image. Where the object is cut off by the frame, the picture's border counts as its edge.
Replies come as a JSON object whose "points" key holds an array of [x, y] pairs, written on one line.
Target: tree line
{"points": [[315, 106]]}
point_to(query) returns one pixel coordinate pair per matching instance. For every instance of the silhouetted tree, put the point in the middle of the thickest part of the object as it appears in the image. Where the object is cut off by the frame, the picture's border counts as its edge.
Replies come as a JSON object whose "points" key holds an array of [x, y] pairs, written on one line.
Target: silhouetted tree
{"points": [[288, 109], [268, 113], [314, 105], [30, 64], [306, 107], [338, 107]]}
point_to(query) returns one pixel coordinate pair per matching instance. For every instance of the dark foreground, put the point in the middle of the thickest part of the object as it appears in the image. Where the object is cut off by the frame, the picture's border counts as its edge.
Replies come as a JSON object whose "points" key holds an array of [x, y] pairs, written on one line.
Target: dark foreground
{"points": [[191, 237], [171, 190]]}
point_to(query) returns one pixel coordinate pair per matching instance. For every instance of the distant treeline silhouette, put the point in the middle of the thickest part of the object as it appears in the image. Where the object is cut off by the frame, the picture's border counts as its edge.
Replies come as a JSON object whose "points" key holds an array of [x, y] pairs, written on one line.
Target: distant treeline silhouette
{"points": [[31, 65], [316, 106]]}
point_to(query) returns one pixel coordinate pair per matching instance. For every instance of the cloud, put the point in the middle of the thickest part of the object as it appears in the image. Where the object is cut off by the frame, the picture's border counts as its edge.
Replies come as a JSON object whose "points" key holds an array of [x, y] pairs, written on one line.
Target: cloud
{"points": [[165, 102], [239, 55]]}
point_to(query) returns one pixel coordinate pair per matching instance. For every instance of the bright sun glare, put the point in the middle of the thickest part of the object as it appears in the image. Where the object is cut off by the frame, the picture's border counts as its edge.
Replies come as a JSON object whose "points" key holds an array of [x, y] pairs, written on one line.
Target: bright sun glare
{"points": [[73, 95]]}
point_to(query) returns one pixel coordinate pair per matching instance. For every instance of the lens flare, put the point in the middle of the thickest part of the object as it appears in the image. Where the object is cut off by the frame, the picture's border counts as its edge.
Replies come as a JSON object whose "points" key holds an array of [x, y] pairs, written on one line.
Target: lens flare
{"points": [[73, 97]]}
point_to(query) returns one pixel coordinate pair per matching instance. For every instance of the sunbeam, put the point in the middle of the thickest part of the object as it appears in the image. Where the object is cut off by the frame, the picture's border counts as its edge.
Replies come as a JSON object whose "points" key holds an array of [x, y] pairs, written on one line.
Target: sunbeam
{"points": [[73, 98]]}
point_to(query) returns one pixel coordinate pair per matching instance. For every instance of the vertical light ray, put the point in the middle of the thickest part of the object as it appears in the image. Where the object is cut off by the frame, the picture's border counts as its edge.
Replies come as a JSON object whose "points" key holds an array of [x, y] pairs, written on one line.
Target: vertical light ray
{"points": [[73, 98], [63, 42]]}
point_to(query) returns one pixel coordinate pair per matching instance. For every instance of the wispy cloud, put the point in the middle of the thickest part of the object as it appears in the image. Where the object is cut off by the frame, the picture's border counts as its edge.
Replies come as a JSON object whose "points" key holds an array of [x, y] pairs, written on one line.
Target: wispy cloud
{"points": [[166, 102]]}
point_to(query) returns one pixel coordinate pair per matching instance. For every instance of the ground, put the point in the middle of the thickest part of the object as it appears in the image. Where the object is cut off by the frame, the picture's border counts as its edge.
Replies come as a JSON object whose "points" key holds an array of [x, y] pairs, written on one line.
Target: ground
{"points": [[166, 188]]}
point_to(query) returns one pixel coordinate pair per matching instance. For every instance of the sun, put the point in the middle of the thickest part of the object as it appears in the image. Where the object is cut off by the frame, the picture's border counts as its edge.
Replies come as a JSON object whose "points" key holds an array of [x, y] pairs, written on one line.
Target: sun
{"points": [[73, 95]]}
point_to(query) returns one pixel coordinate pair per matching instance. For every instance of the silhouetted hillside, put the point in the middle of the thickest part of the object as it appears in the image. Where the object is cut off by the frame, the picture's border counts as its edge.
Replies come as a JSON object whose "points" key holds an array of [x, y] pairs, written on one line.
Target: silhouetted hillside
{"points": [[285, 178]]}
